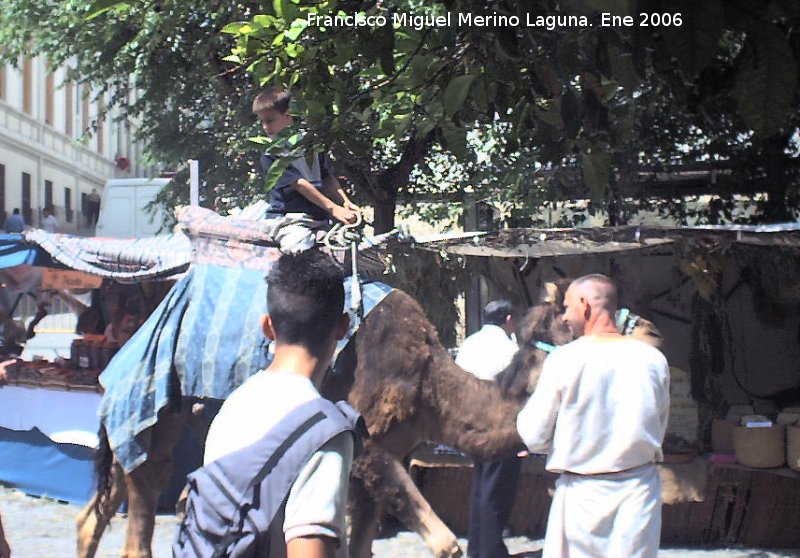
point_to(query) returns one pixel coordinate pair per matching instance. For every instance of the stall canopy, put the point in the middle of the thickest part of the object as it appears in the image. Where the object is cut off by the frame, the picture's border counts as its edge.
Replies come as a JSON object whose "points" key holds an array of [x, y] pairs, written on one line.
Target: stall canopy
{"points": [[121, 259], [540, 243]]}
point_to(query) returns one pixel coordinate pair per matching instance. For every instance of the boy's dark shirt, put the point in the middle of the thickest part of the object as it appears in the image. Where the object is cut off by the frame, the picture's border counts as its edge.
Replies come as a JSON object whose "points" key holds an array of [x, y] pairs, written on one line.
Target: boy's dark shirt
{"points": [[283, 199]]}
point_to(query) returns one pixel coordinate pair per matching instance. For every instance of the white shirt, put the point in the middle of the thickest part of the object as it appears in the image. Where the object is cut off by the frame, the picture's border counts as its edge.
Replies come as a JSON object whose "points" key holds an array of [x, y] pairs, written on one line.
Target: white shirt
{"points": [[318, 498], [50, 224], [601, 406], [487, 352]]}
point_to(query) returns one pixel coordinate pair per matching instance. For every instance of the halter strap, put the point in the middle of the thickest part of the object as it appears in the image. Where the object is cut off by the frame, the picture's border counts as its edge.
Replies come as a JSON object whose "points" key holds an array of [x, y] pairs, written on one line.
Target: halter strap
{"points": [[626, 321], [622, 318], [542, 346]]}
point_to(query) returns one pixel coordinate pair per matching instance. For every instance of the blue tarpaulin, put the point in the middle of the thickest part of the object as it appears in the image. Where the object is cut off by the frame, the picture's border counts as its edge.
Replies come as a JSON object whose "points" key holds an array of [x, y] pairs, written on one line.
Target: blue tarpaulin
{"points": [[40, 466], [14, 251]]}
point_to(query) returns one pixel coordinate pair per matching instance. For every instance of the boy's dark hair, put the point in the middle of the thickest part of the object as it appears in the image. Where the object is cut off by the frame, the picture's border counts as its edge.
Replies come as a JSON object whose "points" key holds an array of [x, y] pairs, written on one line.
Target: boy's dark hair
{"points": [[16, 211], [305, 298], [272, 98], [496, 312]]}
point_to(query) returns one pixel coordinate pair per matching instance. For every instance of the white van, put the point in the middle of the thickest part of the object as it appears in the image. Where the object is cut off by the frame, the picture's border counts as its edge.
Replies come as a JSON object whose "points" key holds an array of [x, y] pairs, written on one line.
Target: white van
{"points": [[123, 212]]}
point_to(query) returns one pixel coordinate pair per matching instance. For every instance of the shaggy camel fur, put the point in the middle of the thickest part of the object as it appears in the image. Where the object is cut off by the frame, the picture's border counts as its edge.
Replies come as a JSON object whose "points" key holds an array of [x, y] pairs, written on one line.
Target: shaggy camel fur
{"points": [[409, 391]]}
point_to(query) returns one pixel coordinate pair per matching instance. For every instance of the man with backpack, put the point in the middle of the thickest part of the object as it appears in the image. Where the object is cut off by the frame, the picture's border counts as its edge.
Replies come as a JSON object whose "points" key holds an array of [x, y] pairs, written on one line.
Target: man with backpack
{"points": [[278, 455]]}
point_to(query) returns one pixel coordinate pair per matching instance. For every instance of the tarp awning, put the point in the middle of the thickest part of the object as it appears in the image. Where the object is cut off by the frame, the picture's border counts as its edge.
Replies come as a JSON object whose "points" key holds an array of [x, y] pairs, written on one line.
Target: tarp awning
{"points": [[540, 243], [118, 258]]}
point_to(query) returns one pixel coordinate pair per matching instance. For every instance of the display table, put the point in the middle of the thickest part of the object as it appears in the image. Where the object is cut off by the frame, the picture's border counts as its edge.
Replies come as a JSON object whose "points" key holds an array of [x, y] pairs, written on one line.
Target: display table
{"points": [[44, 374], [47, 441], [709, 503]]}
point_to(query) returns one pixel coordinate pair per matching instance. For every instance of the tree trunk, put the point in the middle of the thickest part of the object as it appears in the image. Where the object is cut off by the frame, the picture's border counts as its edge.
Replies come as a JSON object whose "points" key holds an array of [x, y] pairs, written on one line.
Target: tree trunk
{"points": [[384, 214], [776, 210]]}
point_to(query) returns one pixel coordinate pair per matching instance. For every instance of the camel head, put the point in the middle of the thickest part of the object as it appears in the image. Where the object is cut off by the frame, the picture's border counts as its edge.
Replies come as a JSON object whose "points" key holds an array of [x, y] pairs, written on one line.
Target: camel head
{"points": [[629, 324], [541, 324], [647, 332]]}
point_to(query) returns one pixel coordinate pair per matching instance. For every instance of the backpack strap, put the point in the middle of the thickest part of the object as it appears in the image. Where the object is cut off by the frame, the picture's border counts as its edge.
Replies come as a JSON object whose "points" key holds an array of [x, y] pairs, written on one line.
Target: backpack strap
{"points": [[258, 478]]}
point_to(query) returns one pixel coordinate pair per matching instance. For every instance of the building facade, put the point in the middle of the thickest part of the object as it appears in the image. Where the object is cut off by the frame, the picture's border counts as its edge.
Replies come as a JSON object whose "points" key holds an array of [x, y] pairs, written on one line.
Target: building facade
{"points": [[53, 149]]}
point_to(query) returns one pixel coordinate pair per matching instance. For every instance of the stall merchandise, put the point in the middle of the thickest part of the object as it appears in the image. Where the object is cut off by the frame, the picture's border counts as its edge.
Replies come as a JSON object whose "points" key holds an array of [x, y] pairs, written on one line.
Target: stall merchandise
{"points": [[49, 410]]}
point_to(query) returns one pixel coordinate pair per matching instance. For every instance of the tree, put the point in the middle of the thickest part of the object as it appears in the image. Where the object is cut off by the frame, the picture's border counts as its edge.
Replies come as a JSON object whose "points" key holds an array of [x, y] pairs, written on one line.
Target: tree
{"points": [[703, 81], [687, 82]]}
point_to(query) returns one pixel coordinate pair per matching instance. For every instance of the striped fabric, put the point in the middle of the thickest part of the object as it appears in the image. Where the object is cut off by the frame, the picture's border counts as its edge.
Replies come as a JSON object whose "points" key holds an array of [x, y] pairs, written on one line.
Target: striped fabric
{"points": [[123, 259], [204, 338]]}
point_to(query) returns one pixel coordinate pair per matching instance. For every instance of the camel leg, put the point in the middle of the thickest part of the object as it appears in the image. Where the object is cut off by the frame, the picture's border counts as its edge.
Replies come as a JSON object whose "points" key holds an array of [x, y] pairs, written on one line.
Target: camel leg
{"points": [[389, 483], [364, 519], [145, 484], [90, 524]]}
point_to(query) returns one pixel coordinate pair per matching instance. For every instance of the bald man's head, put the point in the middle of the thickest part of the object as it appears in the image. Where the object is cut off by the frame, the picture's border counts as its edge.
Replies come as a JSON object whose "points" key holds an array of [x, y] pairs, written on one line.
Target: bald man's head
{"points": [[588, 298]]}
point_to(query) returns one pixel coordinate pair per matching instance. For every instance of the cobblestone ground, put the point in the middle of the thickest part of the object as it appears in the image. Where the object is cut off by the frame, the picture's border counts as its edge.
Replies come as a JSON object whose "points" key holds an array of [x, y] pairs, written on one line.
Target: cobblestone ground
{"points": [[42, 528]]}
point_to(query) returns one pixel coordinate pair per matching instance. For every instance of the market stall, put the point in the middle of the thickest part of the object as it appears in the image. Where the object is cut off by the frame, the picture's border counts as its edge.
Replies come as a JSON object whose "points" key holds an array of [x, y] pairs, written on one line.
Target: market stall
{"points": [[49, 408], [725, 299], [705, 502]]}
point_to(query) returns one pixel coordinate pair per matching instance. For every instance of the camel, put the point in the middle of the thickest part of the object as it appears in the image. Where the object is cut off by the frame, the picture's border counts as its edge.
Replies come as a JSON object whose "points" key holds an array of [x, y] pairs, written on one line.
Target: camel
{"points": [[409, 390]]}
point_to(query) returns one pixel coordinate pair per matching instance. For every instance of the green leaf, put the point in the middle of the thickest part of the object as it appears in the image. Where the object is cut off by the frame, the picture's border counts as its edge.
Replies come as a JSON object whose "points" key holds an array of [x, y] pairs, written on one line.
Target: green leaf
{"points": [[766, 81], [298, 26], [480, 93], [456, 93], [235, 28], [425, 126], [263, 20], [550, 116], [455, 140], [419, 66], [275, 172], [99, 7], [609, 88], [623, 68], [695, 42], [596, 163]]}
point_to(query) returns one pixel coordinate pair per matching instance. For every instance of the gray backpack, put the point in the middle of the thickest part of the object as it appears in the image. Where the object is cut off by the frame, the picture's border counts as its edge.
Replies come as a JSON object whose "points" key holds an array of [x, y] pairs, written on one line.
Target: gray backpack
{"points": [[232, 501]]}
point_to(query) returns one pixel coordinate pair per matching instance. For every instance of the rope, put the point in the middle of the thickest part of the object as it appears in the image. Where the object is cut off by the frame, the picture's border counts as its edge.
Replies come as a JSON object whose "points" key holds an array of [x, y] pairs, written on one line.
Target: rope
{"points": [[341, 235]]}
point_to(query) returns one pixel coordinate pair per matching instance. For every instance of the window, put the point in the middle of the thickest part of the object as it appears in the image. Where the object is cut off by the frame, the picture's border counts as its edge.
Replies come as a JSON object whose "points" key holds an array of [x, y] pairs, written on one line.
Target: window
{"points": [[26, 198], [27, 85], [48, 193], [100, 125], [3, 192], [49, 96], [68, 115], [85, 108], [68, 204]]}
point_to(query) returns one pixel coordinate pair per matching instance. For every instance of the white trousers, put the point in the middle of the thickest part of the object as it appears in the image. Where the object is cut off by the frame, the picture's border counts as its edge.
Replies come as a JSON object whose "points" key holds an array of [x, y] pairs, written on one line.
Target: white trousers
{"points": [[616, 515]]}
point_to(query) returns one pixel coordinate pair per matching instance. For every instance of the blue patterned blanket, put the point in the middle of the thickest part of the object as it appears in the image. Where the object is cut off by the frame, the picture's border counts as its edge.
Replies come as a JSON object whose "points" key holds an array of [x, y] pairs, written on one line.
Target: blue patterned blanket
{"points": [[205, 334]]}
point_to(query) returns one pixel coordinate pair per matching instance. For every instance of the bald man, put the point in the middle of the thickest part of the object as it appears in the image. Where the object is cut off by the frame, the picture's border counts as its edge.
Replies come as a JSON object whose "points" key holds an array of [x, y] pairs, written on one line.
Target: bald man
{"points": [[600, 413]]}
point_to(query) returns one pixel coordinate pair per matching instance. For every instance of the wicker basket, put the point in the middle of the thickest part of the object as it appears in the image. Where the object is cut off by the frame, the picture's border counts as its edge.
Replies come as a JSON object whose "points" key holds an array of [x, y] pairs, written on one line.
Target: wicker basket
{"points": [[793, 447], [722, 436], [760, 447]]}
